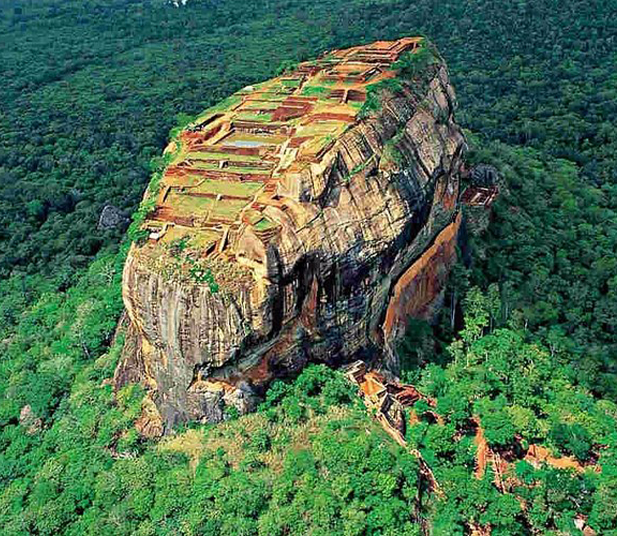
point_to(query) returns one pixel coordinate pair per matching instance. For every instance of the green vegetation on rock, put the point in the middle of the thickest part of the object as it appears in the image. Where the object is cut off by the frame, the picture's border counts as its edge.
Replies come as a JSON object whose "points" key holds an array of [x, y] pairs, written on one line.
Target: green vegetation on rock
{"points": [[375, 93]]}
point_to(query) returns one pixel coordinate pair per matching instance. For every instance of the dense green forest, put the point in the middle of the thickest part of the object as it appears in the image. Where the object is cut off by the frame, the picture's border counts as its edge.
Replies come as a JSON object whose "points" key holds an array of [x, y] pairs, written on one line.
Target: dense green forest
{"points": [[90, 91]]}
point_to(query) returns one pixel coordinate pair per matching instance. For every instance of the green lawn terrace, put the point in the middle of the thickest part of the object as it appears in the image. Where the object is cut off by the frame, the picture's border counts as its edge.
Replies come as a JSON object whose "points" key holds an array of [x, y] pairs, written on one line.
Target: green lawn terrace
{"points": [[235, 159]]}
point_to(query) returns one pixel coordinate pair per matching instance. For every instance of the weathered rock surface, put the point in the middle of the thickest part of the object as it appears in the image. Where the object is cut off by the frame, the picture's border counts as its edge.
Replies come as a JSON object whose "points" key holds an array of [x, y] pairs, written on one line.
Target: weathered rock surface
{"points": [[484, 175], [362, 235]]}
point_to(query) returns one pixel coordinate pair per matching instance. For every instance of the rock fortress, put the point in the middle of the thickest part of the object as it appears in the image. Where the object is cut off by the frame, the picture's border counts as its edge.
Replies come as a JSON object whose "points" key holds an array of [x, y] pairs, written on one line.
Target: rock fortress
{"points": [[303, 219]]}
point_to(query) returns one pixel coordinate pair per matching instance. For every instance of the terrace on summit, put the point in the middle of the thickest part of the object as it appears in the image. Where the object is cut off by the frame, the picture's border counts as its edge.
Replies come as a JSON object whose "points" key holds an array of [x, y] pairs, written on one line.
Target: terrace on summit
{"points": [[231, 160]]}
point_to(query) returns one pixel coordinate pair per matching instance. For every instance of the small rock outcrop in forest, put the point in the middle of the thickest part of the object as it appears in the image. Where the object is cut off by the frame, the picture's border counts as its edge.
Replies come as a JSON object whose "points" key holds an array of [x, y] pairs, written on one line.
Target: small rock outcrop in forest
{"points": [[304, 219]]}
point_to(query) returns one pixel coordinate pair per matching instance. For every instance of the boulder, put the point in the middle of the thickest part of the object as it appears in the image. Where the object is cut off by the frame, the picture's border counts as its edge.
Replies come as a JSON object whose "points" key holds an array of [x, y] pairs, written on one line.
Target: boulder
{"points": [[112, 217]]}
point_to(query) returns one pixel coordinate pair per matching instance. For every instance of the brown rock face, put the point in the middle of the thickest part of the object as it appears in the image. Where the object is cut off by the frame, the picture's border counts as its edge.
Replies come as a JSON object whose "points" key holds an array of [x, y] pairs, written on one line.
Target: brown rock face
{"points": [[348, 226], [417, 291]]}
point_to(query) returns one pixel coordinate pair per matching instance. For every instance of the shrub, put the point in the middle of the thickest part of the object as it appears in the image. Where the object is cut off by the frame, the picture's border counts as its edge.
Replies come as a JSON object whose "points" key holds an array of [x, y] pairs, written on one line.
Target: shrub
{"points": [[374, 95], [411, 64]]}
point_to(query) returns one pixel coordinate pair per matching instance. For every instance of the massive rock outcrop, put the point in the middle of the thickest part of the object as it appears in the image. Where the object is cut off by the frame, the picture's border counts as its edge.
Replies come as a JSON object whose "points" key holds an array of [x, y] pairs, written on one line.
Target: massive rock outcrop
{"points": [[301, 220]]}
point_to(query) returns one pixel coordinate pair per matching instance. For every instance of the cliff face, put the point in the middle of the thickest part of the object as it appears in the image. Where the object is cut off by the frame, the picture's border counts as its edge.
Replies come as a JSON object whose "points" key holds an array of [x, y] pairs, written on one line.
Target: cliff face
{"points": [[287, 229]]}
